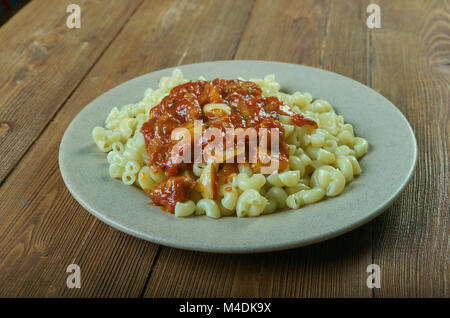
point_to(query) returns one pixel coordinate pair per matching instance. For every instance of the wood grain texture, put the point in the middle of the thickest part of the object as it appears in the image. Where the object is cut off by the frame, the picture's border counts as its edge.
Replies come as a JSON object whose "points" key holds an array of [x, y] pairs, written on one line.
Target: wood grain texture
{"points": [[44, 61], [410, 66], [306, 32], [42, 229]]}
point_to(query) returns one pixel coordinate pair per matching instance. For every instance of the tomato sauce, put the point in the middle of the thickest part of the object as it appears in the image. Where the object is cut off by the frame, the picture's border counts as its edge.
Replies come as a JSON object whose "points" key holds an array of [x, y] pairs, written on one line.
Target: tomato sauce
{"points": [[172, 190], [249, 109]]}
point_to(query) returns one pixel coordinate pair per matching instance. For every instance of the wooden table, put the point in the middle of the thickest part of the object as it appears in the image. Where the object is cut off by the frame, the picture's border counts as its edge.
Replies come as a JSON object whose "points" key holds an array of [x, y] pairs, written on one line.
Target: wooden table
{"points": [[50, 72]]}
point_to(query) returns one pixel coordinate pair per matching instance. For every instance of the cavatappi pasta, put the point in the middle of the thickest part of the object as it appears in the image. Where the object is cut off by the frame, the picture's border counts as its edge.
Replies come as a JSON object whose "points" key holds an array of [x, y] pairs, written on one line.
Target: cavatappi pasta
{"points": [[321, 161]]}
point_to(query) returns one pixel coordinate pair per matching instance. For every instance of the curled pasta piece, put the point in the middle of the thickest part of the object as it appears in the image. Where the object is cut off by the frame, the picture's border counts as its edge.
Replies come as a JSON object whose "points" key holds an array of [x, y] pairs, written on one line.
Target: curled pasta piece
{"points": [[118, 147], [300, 100], [230, 197], [145, 180], [305, 159], [274, 180], [344, 164], [98, 133], [110, 156], [116, 158], [141, 119], [345, 137], [299, 151], [250, 203], [296, 200], [103, 145], [296, 163], [140, 109], [271, 206], [157, 174], [126, 111], [244, 182], [325, 156], [223, 210], [131, 144], [115, 171], [349, 128], [287, 178], [207, 182], [355, 165], [297, 136], [297, 188], [278, 195], [126, 127], [216, 109], [313, 195], [245, 169], [139, 141], [130, 154], [328, 122], [321, 106], [185, 208], [112, 116], [292, 150], [128, 178], [284, 119], [312, 152], [197, 168], [208, 207], [288, 130], [344, 150], [132, 167], [361, 146], [317, 140], [330, 145], [330, 179]]}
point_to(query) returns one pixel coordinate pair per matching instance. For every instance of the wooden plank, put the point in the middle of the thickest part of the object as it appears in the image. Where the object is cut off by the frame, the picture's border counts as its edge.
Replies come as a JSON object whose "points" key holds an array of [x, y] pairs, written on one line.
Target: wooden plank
{"points": [[287, 31], [306, 32], [42, 229], [313, 271], [411, 68], [42, 61]]}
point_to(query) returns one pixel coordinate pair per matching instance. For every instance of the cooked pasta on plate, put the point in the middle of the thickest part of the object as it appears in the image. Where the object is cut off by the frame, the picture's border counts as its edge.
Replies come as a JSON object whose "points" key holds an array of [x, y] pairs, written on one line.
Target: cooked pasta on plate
{"points": [[217, 143], [230, 147]]}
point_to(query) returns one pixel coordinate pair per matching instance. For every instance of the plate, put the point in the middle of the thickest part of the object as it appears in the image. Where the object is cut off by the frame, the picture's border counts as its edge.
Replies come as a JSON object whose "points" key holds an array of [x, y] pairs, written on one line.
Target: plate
{"points": [[387, 167]]}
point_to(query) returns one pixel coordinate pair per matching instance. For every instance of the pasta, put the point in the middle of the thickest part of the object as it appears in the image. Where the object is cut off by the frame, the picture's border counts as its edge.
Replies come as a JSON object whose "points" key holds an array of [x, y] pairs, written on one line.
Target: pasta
{"points": [[319, 151], [208, 207], [250, 203], [185, 208], [244, 182]]}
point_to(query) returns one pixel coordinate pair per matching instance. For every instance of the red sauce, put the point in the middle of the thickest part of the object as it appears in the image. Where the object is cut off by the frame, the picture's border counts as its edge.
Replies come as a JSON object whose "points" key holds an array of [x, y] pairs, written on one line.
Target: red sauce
{"points": [[171, 191], [184, 104]]}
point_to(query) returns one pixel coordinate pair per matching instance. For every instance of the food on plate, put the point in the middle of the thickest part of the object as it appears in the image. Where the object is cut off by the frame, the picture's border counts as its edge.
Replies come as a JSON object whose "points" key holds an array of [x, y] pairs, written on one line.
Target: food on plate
{"points": [[230, 147]]}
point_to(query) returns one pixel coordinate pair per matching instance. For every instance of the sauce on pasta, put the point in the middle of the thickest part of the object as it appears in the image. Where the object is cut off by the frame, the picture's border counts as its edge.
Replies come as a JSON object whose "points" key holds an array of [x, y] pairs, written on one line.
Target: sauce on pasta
{"points": [[248, 108], [172, 190]]}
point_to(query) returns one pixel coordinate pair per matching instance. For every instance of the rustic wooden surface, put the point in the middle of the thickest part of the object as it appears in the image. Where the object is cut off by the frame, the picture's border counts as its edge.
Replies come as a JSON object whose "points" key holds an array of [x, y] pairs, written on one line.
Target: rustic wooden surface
{"points": [[49, 73]]}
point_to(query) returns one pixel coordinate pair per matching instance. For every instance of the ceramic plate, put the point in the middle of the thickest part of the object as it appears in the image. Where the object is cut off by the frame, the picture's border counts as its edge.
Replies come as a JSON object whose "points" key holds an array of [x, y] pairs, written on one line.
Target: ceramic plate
{"points": [[387, 167]]}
